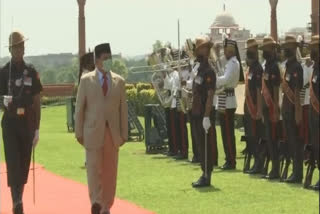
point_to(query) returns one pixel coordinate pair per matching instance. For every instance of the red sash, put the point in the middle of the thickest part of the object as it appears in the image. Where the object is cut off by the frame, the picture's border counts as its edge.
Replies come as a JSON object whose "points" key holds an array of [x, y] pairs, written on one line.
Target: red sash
{"points": [[287, 90], [313, 99], [269, 101], [249, 101]]}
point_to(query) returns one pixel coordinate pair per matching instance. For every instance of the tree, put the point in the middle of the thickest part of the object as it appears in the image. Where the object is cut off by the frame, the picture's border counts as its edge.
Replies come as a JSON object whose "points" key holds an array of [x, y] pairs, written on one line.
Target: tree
{"points": [[119, 67]]}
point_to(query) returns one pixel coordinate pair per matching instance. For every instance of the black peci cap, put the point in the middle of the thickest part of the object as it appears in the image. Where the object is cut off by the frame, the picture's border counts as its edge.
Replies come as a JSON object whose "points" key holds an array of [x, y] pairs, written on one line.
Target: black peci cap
{"points": [[101, 49]]}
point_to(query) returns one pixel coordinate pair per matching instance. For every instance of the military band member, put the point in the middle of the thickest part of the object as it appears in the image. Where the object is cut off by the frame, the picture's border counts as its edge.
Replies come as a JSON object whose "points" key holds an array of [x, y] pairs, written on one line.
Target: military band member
{"points": [[305, 100], [292, 84], [20, 85], [314, 100], [180, 118], [253, 104], [227, 102], [203, 92], [270, 105]]}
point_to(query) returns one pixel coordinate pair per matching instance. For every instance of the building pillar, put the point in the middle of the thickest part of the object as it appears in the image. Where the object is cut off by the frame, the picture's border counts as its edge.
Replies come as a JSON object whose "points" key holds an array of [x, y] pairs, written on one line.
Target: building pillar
{"points": [[315, 17], [82, 28], [274, 21]]}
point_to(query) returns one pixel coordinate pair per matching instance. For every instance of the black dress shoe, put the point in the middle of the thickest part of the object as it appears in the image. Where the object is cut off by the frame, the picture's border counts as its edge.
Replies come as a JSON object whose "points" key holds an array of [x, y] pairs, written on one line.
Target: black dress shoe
{"points": [[202, 182], [95, 209], [273, 176], [18, 209], [228, 166], [293, 179]]}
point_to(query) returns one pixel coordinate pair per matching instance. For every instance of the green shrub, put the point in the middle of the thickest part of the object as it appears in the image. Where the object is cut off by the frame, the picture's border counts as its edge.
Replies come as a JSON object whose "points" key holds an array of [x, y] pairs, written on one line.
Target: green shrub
{"points": [[130, 86], [143, 86], [142, 98]]}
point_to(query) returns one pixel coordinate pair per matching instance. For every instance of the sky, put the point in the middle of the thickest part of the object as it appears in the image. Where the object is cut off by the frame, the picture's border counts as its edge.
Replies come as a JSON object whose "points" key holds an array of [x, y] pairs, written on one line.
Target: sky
{"points": [[132, 26]]}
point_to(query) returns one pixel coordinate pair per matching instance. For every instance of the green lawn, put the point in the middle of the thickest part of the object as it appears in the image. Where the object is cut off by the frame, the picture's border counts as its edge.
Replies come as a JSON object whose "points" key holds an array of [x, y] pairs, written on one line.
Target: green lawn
{"points": [[163, 185]]}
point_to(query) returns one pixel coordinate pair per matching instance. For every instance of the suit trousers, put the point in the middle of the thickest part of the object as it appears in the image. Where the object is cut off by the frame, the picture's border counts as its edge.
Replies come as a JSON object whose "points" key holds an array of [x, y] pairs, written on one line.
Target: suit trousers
{"points": [[102, 167]]}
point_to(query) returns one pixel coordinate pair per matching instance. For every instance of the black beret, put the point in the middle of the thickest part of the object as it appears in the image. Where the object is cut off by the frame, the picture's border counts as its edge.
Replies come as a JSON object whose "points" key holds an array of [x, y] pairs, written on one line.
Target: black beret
{"points": [[87, 58], [101, 49]]}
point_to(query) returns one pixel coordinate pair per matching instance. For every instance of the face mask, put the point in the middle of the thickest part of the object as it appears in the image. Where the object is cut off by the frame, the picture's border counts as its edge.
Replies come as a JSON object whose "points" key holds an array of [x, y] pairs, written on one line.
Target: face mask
{"points": [[107, 65], [288, 53]]}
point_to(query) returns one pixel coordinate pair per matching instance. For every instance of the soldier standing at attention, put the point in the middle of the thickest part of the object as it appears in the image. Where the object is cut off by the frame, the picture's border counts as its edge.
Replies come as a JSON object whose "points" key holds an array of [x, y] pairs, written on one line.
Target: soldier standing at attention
{"points": [[314, 100], [203, 92], [270, 105], [291, 107], [20, 85], [227, 102], [253, 102]]}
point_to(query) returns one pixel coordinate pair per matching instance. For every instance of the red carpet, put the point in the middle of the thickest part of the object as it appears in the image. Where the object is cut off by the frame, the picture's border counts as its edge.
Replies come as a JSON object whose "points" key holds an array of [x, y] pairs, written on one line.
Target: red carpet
{"points": [[56, 195]]}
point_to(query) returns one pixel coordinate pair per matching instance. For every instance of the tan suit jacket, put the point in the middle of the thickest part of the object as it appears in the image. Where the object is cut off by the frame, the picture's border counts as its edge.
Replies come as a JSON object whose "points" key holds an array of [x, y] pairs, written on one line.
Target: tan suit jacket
{"points": [[94, 111]]}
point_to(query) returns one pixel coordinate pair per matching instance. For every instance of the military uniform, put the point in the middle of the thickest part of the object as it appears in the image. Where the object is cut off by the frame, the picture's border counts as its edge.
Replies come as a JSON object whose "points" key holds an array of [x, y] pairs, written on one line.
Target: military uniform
{"points": [[19, 123], [226, 107], [252, 124], [180, 118], [314, 104], [204, 81], [305, 101], [293, 79], [270, 109]]}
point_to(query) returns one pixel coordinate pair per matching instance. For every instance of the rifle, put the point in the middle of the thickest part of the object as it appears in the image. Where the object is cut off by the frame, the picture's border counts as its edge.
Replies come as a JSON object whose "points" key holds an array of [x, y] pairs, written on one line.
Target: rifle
{"points": [[311, 165], [265, 156], [247, 153], [285, 160]]}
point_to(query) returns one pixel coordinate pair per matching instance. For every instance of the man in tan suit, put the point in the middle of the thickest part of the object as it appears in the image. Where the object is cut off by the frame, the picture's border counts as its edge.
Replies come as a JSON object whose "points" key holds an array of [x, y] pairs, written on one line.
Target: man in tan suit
{"points": [[101, 127]]}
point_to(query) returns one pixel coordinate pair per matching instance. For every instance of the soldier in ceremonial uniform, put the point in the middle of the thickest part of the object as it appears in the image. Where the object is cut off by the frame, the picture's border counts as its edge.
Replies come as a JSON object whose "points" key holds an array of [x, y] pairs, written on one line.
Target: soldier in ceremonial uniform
{"points": [[180, 118], [203, 92], [227, 102], [270, 105], [20, 85], [314, 100], [292, 84], [253, 103]]}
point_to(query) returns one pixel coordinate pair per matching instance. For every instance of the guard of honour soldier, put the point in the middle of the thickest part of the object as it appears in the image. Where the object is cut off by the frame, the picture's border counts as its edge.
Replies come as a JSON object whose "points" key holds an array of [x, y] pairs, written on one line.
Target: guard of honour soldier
{"points": [[20, 87]]}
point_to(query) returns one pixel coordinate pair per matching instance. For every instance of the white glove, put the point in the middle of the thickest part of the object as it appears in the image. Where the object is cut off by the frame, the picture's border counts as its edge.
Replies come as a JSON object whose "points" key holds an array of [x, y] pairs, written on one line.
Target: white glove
{"points": [[206, 124], [7, 100], [36, 138]]}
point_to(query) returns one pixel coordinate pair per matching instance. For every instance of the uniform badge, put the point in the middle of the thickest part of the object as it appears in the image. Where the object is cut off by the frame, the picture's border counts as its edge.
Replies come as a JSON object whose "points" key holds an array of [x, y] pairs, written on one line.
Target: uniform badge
{"points": [[314, 79], [288, 77], [273, 76], [20, 111], [18, 82], [295, 74], [27, 81], [209, 80]]}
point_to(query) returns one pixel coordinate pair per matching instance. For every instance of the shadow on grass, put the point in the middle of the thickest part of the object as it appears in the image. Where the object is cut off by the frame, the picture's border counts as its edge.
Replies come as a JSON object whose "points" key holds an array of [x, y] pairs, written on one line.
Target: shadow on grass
{"points": [[208, 189], [217, 170]]}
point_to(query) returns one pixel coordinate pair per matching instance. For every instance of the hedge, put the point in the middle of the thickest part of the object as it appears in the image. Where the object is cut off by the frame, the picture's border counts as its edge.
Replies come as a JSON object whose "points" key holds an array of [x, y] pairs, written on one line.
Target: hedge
{"points": [[143, 86], [140, 99]]}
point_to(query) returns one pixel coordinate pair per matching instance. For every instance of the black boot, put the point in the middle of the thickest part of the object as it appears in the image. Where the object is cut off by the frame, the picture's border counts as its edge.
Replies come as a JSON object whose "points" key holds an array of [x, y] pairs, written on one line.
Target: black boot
{"points": [[293, 179], [228, 166], [18, 209], [203, 181], [275, 171]]}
